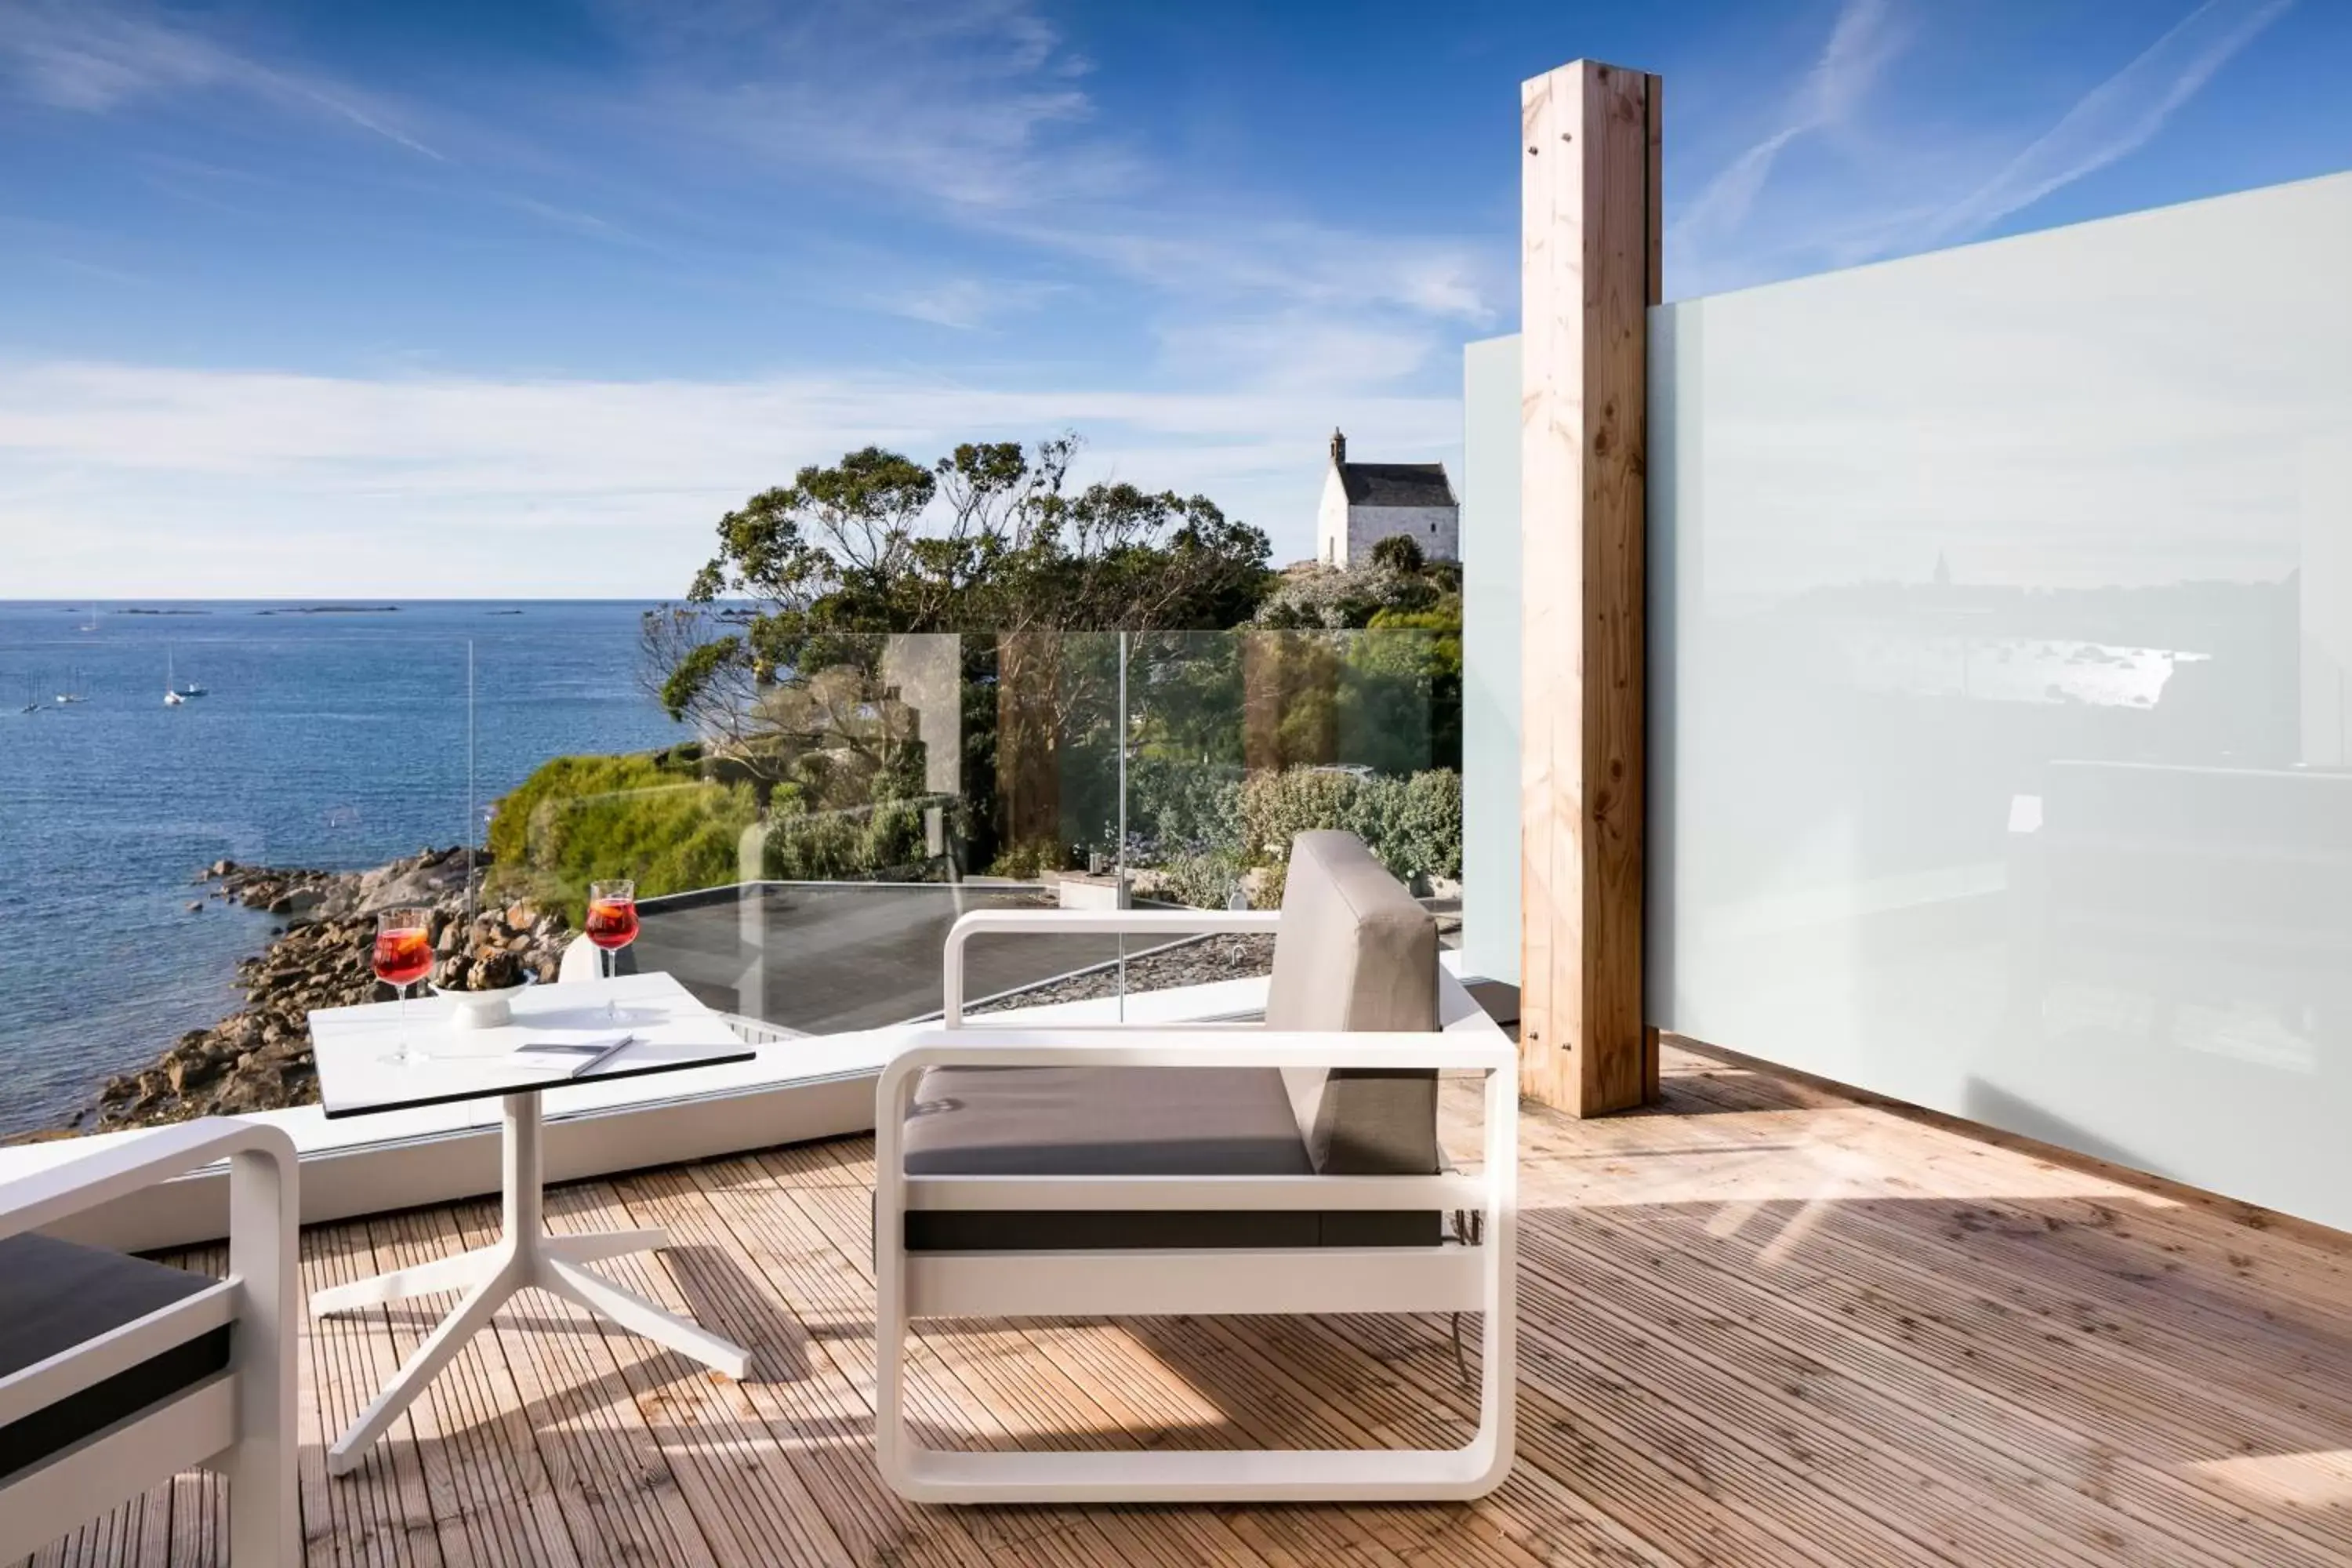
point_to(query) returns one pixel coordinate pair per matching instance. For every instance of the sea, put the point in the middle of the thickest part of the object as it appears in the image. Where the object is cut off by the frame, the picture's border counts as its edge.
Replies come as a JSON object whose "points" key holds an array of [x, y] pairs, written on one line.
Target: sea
{"points": [[334, 734]]}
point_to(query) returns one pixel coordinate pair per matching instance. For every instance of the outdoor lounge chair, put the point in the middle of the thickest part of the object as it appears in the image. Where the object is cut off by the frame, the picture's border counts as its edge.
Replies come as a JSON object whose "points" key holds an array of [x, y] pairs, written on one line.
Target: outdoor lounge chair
{"points": [[1124, 1170], [117, 1373]]}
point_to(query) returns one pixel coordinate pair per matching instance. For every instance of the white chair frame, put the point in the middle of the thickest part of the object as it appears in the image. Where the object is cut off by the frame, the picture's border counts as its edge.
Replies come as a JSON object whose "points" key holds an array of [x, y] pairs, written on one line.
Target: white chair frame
{"points": [[1448, 1277], [240, 1421]]}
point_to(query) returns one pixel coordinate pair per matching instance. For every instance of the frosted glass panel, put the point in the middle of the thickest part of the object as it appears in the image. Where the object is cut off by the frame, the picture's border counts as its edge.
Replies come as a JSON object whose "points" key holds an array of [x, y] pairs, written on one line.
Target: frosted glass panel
{"points": [[2002, 728]]}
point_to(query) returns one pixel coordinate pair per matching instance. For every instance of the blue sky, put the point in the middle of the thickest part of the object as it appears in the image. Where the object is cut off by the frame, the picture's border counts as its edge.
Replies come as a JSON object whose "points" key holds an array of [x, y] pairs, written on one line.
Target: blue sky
{"points": [[497, 298]]}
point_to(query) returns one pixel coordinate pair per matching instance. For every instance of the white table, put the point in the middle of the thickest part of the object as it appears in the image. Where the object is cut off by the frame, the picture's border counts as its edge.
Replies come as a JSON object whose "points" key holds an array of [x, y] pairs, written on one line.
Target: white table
{"points": [[673, 1031]]}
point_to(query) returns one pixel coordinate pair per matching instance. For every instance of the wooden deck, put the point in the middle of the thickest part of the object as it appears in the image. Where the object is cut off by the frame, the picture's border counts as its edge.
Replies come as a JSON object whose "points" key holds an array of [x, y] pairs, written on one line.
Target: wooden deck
{"points": [[1761, 1325]]}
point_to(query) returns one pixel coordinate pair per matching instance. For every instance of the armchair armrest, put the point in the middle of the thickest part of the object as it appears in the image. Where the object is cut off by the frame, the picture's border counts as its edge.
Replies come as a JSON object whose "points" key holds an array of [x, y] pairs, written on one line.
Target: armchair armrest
{"points": [[1180, 1046], [46, 1196], [254, 1410], [1170, 924]]}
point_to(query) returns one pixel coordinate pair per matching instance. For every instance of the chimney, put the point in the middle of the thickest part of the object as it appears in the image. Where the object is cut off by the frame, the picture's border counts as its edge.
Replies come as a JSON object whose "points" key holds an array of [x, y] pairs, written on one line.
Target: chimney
{"points": [[1338, 448]]}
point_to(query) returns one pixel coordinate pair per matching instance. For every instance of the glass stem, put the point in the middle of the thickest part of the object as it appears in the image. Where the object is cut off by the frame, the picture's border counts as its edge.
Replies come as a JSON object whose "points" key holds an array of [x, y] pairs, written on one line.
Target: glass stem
{"points": [[402, 992]]}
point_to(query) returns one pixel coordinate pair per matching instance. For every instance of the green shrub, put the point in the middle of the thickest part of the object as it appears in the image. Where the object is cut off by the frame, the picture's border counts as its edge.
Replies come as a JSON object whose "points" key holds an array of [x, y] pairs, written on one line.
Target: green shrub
{"points": [[889, 838], [1203, 881], [1413, 824], [1177, 807], [1028, 860], [647, 816]]}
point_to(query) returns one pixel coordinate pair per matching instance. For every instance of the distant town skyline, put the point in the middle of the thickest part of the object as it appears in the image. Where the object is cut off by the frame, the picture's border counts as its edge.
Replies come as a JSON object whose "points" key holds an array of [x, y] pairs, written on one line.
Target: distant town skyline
{"points": [[430, 299]]}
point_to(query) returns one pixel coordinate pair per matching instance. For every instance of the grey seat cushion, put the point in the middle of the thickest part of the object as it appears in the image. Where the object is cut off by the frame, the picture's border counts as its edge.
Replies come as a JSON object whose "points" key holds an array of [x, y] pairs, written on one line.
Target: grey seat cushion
{"points": [[1136, 1122], [55, 1295], [1356, 951]]}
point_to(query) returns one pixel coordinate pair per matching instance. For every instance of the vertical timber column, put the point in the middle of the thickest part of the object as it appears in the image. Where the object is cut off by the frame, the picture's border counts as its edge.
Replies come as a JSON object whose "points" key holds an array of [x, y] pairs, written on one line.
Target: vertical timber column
{"points": [[1589, 271]]}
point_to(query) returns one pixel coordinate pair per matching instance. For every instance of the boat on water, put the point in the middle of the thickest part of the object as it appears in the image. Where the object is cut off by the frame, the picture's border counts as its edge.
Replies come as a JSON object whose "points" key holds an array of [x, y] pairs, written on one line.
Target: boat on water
{"points": [[173, 696]]}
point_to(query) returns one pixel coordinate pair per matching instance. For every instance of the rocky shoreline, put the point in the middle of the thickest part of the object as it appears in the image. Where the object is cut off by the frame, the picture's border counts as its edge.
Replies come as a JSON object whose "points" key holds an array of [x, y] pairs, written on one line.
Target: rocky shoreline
{"points": [[259, 1057]]}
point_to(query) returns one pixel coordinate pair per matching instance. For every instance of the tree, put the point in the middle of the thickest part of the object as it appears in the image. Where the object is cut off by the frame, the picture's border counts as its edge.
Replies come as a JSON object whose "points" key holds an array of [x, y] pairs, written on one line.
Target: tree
{"points": [[991, 540], [1399, 552]]}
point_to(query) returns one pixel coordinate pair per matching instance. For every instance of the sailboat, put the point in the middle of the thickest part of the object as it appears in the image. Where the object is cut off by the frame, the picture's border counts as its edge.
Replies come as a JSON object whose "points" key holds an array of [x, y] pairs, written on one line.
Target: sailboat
{"points": [[91, 625], [32, 702], [172, 696]]}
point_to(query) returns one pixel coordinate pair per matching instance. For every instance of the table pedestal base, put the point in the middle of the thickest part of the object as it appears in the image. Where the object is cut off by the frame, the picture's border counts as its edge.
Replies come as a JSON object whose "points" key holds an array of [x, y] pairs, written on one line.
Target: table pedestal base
{"points": [[524, 1258]]}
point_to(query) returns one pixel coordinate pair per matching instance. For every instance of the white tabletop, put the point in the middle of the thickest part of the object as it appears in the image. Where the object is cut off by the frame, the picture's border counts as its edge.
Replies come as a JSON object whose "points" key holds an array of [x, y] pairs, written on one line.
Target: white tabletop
{"points": [[672, 1031]]}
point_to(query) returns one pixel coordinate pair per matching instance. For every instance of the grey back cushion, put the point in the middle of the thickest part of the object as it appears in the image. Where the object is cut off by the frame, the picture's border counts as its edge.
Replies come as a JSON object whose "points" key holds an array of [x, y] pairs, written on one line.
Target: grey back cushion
{"points": [[1354, 951]]}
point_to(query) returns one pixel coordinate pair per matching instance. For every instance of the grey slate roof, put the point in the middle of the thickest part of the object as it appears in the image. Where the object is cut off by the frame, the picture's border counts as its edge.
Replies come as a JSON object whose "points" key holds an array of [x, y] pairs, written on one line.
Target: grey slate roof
{"points": [[1396, 484]]}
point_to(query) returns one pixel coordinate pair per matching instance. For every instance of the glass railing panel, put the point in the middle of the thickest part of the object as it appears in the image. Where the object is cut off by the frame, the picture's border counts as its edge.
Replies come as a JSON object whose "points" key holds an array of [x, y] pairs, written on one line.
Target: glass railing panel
{"points": [[1240, 741], [822, 808], [193, 798]]}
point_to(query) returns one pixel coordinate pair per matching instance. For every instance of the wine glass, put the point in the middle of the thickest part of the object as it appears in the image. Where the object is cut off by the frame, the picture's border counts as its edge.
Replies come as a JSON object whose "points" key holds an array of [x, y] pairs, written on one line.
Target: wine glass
{"points": [[612, 925], [402, 956]]}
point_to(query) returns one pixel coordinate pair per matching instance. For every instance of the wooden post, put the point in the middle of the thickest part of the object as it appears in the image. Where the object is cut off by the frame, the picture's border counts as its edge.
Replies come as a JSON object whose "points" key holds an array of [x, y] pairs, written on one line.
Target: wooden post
{"points": [[1589, 272]]}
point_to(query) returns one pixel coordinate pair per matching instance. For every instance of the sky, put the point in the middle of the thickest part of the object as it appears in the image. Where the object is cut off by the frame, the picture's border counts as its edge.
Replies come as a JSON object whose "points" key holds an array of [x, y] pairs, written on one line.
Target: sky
{"points": [[477, 298]]}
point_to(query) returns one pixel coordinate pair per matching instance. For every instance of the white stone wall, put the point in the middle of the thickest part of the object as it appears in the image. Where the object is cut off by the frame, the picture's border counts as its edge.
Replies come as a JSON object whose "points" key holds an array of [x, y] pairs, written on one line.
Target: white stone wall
{"points": [[1436, 529]]}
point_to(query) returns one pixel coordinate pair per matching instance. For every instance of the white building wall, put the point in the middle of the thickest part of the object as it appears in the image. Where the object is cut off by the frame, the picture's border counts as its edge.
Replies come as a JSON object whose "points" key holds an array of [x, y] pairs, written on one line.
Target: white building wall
{"points": [[1436, 529], [1331, 521]]}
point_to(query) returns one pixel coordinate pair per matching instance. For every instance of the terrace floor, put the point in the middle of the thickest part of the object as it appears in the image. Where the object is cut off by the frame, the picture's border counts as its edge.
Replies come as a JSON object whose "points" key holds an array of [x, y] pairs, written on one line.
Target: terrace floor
{"points": [[1762, 1324]]}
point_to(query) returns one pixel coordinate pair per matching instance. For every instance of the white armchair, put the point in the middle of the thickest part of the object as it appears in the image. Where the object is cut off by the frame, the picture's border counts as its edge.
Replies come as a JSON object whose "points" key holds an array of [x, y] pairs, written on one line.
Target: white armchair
{"points": [[116, 1372], [1288, 1167]]}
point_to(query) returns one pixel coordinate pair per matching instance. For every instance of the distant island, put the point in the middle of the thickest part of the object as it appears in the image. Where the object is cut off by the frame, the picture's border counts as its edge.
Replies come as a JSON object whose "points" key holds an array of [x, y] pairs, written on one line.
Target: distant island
{"points": [[332, 610], [139, 612]]}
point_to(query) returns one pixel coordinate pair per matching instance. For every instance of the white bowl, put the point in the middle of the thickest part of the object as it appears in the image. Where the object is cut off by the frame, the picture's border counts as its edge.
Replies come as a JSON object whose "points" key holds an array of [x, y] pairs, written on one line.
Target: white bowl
{"points": [[484, 1009]]}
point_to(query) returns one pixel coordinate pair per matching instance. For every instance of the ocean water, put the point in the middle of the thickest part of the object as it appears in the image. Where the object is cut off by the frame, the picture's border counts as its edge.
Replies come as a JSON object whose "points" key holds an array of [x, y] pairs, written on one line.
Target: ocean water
{"points": [[337, 740]]}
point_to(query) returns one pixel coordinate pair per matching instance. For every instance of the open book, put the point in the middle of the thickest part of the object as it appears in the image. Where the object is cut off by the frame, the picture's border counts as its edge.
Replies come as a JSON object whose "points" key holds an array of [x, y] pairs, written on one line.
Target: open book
{"points": [[572, 1058]]}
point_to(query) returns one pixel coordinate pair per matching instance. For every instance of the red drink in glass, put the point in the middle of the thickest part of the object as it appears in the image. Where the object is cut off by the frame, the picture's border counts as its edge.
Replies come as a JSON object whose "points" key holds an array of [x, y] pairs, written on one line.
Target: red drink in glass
{"points": [[611, 923], [402, 957]]}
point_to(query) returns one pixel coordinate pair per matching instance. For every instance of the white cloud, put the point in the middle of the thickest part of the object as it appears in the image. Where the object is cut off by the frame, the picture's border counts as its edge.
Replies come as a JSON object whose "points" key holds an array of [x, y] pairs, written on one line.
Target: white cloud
{"points": [[967, 304], [93, 58], [978, 113], [2116, 117], [1861, 43], [121, 480]]}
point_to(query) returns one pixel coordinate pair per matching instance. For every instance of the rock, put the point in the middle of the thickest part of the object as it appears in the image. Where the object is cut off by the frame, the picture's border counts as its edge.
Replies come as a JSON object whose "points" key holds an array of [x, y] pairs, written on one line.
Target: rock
{"points": [[195, 906], [498, 971], [259, 1058]]}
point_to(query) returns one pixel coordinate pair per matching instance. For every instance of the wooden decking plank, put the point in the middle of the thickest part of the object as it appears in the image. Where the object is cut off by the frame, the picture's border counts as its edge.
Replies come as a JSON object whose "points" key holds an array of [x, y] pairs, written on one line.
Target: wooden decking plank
{"points": [[1915, 1308], [585, 1427], [1821, 1404], [1902, 1247], [510, 1510], [825, 1418], [2038, 1217], [2294, 1259], [752, 1506], [1061, 1401], [1702, 1299], [945, 1368], [382, 1506]]}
